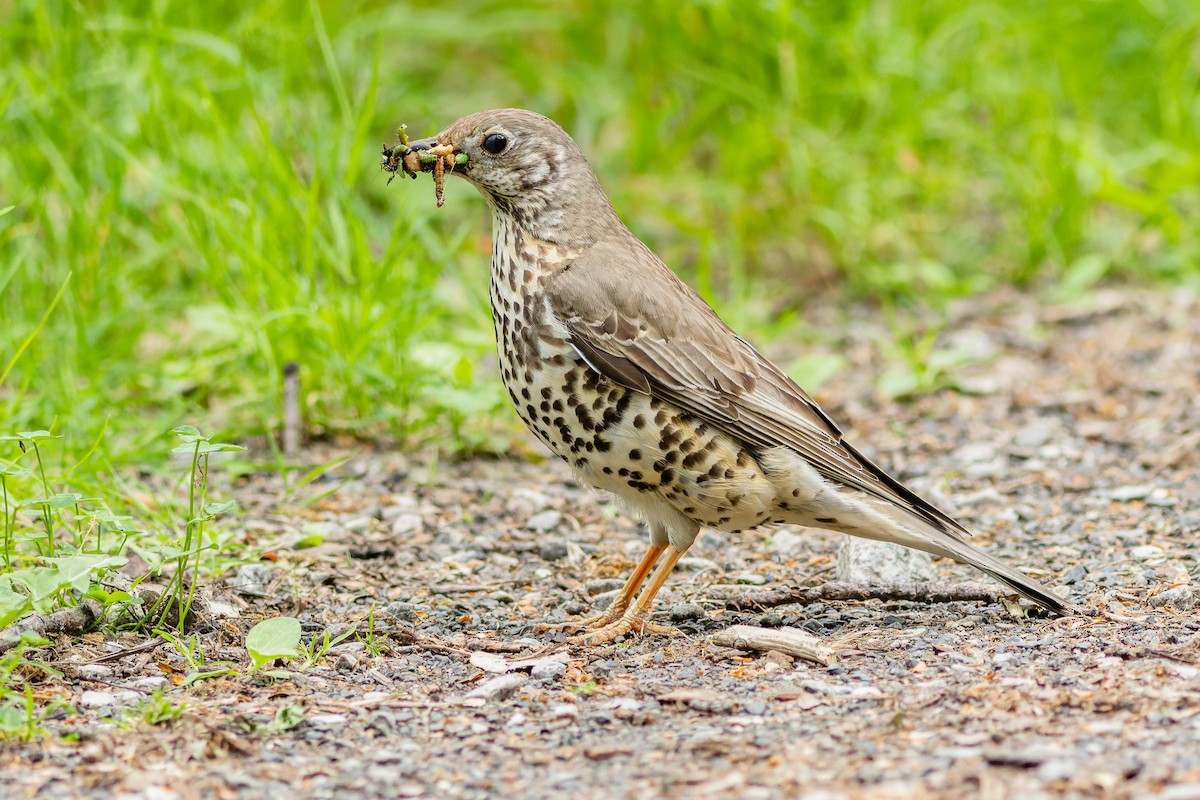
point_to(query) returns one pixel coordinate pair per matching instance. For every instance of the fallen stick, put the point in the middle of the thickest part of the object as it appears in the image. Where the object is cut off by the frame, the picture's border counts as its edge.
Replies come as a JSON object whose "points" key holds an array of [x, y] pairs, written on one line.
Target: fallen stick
{"points": [[793, 641], [918, 592], [69, 621]]}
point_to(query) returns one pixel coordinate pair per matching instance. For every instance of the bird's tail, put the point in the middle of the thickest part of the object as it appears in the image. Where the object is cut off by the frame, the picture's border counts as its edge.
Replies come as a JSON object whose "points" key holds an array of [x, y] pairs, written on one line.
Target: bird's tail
{"points": [[910, 530]]}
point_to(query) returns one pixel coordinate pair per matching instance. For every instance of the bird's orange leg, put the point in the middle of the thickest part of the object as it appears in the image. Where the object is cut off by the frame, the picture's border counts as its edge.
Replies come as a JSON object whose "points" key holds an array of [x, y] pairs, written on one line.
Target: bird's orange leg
{"points": [[621, 602], [635, 618]]}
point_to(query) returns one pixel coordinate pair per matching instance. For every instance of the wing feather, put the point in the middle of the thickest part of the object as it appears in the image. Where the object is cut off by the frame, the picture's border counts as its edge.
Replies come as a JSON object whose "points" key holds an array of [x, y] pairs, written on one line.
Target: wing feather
{"points": [[669, 343]]}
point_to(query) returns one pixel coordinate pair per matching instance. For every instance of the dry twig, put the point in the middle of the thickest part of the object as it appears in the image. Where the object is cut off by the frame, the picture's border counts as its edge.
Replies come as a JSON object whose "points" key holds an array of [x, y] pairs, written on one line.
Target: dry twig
{"points": [[837, 591], [793, 641]]}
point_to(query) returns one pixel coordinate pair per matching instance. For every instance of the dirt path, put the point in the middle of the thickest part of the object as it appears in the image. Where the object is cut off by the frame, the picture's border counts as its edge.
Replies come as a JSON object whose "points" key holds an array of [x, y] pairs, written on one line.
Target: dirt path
{"points": [[1073, 454]]}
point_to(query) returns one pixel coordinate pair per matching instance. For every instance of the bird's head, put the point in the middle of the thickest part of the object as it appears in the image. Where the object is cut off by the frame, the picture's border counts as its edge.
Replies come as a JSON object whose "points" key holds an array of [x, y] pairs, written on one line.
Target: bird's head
{"points": [[527, 167]]}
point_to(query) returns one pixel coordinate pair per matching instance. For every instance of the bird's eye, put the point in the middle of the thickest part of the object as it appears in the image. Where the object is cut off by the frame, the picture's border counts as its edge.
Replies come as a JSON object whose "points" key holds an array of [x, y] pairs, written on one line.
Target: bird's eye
{"points": [[495, 143]]}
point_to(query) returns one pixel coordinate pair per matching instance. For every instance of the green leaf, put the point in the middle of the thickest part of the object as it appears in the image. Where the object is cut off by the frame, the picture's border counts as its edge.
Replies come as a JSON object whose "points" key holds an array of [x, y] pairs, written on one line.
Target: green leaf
{"points": [[43, 583], [189, 433], [205, 447], [105, 516], [272, 639], [76, 571], [12, 605], [12, 469], [213, 509], [195, 677], [65, 500], [311, 540], [36, 436], [6, 210], [12, 720]]}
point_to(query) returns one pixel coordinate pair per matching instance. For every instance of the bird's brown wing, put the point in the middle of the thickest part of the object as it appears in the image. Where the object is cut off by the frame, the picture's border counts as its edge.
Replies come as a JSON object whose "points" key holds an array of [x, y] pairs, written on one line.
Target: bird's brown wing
{"points": [[631, 319]]}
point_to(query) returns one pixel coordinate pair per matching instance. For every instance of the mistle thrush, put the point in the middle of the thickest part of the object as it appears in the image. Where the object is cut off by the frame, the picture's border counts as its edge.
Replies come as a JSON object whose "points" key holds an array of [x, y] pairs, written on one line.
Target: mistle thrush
{"points": [[632, 379]]}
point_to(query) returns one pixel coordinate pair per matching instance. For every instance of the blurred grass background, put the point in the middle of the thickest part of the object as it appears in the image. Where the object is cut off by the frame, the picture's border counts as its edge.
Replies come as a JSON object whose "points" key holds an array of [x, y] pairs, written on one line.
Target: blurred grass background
{"points": [[203, 180]]}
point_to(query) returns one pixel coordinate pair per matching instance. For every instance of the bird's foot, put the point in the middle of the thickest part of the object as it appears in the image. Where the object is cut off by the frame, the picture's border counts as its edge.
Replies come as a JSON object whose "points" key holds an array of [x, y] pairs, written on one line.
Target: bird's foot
{"points": [[630, 622], [600, 621]]}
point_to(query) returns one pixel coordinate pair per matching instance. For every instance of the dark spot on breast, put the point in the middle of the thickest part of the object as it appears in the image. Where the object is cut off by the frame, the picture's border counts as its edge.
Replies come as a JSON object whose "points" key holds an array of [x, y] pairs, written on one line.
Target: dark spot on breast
{"points": [[639, 421], [827, 520], [635, 454]]}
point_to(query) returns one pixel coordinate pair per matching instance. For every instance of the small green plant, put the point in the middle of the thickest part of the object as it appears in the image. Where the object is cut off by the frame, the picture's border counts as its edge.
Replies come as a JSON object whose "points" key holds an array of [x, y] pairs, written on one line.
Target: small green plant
{"points": [[369, 638], [272, 639], [316, 649], [158, 709], [20, 715], [918, 365], [175, 603], [286, 717]]}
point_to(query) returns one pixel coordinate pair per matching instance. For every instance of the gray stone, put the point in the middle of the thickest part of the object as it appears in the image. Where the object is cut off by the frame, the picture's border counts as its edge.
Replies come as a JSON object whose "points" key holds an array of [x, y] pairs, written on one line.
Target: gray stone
{"points": [[603, 601], [1124, 494], [94, 672], [1181, 598], [548, 670], [682, 612], [499, 687], [1034, 434], [544, 521], [881, 563], [252, 579], [401, 611], [553, 550], [602, 586]]}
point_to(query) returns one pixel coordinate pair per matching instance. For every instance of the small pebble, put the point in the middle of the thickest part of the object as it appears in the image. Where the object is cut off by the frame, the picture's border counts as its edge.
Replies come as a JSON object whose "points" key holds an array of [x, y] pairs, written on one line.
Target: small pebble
{"points": [[548, 670], [401, 611], [602, 586], [1076, 574], [1181, 598], [252, 579], [499, 687], [1034, 434], [682, 612], [553, 550], [1124, 494], [603, 601], [544, 521], [881, 563]]}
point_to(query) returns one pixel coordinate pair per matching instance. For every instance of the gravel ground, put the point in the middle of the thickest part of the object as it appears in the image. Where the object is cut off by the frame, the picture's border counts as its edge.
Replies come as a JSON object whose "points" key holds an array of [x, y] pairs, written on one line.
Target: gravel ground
{"points": [[1070, 446]]}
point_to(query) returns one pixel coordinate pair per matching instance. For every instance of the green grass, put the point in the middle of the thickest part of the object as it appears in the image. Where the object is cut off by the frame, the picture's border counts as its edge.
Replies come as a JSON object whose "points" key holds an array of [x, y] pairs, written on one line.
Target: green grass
{"points": [[203, 180]]}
